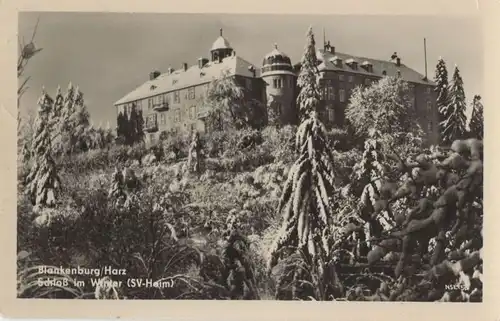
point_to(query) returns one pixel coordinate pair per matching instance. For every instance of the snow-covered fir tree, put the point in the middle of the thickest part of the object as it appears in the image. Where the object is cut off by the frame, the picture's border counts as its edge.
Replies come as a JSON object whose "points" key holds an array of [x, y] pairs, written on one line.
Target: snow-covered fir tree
{"points": [[139, 126], [369, 174], [57, 108], [70, 122], [309, 95], [476, 124], [442, 89], [121, 127], [79, 121], [454, 124], [307, 195], [43, 180]]}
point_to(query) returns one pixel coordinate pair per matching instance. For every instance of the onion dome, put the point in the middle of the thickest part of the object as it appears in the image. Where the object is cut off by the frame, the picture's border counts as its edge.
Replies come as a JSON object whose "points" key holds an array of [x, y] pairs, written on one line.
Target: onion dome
{"points": [[276, 61], [276, 57]]}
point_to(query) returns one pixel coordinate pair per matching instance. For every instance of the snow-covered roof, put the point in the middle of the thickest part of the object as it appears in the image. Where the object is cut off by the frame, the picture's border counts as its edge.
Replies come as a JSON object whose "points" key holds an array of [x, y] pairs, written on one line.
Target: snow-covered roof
{"points": [[378, 67], [180, 79], [221, 43], [275, 53]]}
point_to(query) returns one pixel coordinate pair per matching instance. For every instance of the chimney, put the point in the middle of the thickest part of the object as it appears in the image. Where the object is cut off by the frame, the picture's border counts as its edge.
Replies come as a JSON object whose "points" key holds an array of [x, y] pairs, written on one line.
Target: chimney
{"points": [[170, 70], [154, 74], [234, 53], [398, 61], [184, 66], [332, 48], [252, 70]]}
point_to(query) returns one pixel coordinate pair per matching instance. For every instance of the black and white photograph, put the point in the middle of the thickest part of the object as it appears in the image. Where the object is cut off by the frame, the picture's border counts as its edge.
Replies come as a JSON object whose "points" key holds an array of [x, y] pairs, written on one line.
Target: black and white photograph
{"points": [[290, 157]]}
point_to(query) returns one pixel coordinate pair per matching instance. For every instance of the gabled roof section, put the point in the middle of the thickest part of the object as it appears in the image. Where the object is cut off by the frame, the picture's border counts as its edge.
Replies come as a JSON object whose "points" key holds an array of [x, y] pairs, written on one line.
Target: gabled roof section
{"points": [[180, 79], [378, 66]]}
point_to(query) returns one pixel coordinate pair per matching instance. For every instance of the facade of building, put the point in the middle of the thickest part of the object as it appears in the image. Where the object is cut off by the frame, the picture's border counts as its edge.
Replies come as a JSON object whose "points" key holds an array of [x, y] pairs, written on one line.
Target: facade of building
{"points": [[172, 101]]}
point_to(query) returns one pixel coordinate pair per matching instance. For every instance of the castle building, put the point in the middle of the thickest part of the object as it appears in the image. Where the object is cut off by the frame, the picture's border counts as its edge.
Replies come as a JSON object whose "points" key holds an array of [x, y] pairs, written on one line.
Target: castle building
{"points": [[172, 101]]}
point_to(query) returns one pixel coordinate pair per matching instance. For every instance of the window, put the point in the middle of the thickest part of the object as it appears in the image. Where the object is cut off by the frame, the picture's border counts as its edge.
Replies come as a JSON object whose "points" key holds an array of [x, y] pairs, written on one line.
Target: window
{"points": [[192, 112], [248, 83], [278, 83], [430, 127], [177, 98], [331, 93], [342, 95], [290, 81], [138, 105], [341, 77], [350, 78], [150, 103], [331, 113], [322, 92], [429, 106], [152, 138], [279, 109], [163, 119], [177, 116], [368, 82], [192, 127], [191, 93], [428, 90]]}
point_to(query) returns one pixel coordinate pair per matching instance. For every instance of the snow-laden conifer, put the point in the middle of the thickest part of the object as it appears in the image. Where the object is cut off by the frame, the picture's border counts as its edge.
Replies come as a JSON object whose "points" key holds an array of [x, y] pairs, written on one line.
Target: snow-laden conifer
{"points": [[442, 90], [306, 202], [309, 94], [476, 124], [454, 123], [43, 181]]}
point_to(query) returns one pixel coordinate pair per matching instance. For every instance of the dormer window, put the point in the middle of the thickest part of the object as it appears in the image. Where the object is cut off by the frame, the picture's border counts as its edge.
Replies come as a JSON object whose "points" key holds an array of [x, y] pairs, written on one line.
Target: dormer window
{"points": [[352, 63], [153, 87], [174, 81], [337, 61], [367, 66]]}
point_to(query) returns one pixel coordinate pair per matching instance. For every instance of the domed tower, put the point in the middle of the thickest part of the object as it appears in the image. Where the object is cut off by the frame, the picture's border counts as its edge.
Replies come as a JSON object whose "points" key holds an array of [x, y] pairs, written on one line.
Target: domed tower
{"points": [[277, 72], [220, 49]]}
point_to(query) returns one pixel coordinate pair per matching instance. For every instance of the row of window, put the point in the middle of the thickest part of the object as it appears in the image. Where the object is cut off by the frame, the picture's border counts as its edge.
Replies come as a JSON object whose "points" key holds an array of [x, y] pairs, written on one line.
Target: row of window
{"points": [[283, 82], [177, 115], [352, 79], [328, 93], [189, 94]]}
